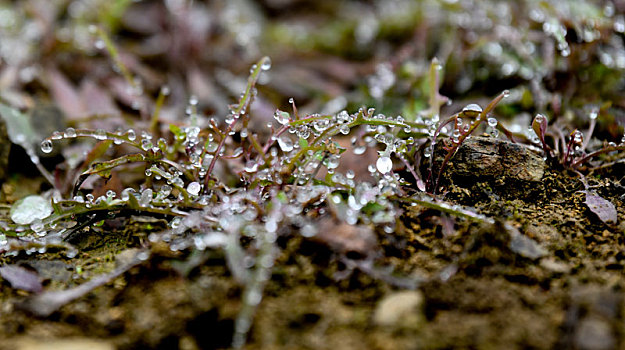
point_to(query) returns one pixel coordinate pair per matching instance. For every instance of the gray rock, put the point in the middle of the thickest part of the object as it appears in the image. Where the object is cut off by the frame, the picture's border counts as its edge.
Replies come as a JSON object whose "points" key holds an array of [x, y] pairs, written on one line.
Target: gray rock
{"points": [[491, 157], [594, 334]]}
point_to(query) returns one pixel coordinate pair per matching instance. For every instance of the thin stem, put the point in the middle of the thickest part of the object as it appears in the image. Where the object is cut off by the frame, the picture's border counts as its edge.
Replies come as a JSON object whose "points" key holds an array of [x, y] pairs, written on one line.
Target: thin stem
{"points": [[244, 103], [587, 157], [418, 180], [112, 50], [481, 118], [157, 109]]}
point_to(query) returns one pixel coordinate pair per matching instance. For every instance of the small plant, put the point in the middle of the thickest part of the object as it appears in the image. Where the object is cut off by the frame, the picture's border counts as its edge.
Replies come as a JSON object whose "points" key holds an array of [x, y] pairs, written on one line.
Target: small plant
{"points": [[216, 189], [572, 153]]}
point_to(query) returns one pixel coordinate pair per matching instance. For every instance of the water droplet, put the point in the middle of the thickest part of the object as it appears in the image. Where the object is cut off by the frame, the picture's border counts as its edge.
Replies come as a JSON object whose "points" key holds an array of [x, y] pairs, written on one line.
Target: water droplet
{"points": [[37, 226], [578, 137], [593, 114], [100, 134], [131, 135], [344, 129], [506, 93], [125, 195], [539, 118], [472, 110], [56, 135], [384, 164], [251, 166], [285, 143], [266, 65], [146, 144], [492, 122], [332, 162], [46, 146], [291, 100], [282, 117], [146, 197], [194, 188], [360, 150], [70, 133], [100, 44], [211, 147]]}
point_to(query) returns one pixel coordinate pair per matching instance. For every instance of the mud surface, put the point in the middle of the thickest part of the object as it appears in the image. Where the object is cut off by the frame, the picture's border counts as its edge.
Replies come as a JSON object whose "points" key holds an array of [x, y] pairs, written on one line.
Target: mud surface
{"points": [[474, 291]]}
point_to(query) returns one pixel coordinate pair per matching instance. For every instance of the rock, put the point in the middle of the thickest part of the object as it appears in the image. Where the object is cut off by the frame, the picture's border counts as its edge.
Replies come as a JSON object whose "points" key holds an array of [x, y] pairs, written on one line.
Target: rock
{"points": [[400, 310], [594, 334], [491, 157]]}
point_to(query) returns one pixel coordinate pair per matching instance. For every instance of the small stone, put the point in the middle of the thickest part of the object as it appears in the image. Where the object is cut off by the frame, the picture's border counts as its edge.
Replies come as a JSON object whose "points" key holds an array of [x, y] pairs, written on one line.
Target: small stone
{"points": [[594, 333], [400, 309], [479, 156]]}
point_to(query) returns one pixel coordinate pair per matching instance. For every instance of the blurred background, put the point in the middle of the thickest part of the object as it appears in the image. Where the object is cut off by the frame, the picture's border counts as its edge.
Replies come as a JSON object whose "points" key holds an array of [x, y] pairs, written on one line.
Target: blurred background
{"points": [[562, 58]]}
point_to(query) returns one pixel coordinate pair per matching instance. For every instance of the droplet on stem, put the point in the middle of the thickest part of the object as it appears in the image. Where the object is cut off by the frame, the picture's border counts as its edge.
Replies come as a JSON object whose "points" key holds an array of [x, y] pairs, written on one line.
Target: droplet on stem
{"points": [[46, 146], [266, 65]]}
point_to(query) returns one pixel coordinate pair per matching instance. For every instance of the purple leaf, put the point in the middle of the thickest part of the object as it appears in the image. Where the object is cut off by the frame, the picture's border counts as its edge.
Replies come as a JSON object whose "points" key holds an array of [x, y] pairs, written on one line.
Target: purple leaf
{"points": [[604, 209], [21, 278], [539, 124]]}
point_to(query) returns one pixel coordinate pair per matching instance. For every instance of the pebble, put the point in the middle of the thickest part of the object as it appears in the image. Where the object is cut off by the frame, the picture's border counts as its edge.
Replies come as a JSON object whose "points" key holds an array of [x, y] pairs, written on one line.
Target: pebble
{"points": [[400, 309]]}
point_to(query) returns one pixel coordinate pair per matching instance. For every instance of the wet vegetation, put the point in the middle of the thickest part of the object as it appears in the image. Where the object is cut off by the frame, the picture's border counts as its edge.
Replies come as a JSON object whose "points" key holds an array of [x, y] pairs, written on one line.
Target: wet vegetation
{"points": [[313, 174]]}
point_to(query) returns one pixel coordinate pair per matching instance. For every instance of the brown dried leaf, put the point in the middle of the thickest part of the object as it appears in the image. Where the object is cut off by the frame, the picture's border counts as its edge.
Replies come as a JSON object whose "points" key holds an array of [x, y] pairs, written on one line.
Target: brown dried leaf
{"points": [[97, 100], [65, 95]]}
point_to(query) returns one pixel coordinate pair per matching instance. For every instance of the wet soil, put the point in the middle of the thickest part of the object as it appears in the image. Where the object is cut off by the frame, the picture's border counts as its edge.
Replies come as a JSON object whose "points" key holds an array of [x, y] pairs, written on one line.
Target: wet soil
{"points": [[474, 291]]}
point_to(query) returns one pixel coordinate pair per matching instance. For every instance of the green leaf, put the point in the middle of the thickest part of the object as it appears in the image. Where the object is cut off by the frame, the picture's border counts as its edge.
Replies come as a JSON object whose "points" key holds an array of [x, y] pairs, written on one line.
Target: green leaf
{"points": [[177, 131], [18, 126], [282, 197], [303, 143]]}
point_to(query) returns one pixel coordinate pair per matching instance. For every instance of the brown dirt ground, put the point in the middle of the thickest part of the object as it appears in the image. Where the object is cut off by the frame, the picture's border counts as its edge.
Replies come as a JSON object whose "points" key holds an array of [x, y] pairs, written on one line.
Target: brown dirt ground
{"points": [[487, 297]]}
